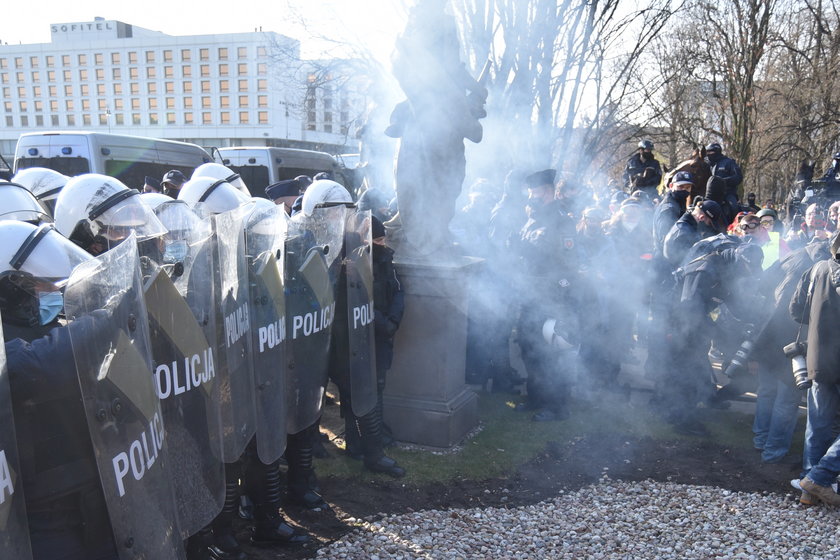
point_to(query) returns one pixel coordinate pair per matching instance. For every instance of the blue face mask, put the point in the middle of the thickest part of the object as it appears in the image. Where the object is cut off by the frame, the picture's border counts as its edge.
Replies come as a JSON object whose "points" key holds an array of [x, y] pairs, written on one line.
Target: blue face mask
{"points": [[50, 305], [175, 252]]}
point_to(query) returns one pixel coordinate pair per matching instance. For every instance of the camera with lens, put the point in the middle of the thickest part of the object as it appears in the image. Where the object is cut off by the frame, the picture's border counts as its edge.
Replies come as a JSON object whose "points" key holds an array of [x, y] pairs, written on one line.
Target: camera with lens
{"points": [[795, 352], [742, 355]]}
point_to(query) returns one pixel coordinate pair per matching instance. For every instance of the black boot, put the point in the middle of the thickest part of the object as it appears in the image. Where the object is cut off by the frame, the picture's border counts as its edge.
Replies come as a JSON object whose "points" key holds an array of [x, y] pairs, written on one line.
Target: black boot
{"points": [[224, 544], [271, 528], [370, 427], [318, 449], [301, 474]]}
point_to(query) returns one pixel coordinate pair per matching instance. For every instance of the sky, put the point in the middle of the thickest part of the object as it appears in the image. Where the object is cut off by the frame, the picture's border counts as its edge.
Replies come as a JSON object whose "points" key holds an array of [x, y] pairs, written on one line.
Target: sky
{"points": [[322, 26]]}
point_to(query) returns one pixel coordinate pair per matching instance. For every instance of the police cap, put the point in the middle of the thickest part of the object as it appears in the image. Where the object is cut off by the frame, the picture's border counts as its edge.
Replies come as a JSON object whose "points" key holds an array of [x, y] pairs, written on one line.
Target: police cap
{"points": [[174, 177], [289, 187], [541, 178]]}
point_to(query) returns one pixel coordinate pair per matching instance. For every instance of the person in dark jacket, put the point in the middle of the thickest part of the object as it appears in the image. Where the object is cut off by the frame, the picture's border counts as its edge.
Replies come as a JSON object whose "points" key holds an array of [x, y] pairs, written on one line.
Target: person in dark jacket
{"points": [[816, 303], [689, 229], [728, 174], [65, 504], [643, 171], [669, 210]]}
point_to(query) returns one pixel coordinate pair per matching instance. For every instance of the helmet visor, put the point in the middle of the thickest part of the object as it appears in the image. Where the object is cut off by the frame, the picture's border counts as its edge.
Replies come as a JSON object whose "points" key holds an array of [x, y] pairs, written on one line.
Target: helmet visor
{"points": [[48, 256], [127, 216]]}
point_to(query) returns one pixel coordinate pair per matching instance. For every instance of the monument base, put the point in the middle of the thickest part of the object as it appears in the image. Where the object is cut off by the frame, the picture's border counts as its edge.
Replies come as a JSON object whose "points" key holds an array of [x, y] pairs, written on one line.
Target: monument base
{"points": [[426, 399]]}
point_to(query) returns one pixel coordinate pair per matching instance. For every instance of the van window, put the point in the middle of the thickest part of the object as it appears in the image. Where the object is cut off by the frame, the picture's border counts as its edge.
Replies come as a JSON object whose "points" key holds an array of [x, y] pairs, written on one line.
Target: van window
{"points": [[133, 173], [255, 176], [69, 166]]}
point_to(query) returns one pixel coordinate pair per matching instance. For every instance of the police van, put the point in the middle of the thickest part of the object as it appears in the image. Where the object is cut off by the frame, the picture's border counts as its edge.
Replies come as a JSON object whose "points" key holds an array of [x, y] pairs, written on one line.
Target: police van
{"points": [[261, 166], [127, 158]]}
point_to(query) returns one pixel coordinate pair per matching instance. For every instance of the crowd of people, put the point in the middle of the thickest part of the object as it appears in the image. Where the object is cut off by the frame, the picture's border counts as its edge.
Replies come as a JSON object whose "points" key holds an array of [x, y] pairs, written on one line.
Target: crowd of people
{"points": [[648, 270]]}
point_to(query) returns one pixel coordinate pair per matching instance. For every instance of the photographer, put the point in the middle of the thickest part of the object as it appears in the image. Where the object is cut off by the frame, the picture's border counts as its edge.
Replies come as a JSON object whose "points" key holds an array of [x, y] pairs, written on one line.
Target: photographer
{"points": [[816, 303]]}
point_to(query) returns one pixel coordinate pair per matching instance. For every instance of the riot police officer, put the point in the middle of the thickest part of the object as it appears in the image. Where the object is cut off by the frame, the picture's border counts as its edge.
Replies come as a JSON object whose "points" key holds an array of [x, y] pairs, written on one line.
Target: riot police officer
{"points": [[643, 170]]}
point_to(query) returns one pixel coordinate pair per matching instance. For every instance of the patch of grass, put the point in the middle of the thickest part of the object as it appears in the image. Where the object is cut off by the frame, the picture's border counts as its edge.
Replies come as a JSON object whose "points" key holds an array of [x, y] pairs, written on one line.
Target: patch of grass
{"points": [[509, 439]]}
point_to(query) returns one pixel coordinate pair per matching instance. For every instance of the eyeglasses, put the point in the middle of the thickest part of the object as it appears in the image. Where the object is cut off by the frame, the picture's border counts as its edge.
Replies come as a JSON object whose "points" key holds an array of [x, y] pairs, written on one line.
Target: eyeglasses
{"points": [[768, 223], [747, 226]]}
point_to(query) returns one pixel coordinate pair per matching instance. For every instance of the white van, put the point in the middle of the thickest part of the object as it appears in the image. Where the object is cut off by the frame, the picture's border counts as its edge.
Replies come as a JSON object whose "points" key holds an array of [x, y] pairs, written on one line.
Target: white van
{"points": [[127, 158], [261, 166]]}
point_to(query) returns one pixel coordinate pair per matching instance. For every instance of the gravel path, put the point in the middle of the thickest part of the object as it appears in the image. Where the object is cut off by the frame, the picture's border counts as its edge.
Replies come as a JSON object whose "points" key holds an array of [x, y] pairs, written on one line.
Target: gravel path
{"points": [[612, 519]]}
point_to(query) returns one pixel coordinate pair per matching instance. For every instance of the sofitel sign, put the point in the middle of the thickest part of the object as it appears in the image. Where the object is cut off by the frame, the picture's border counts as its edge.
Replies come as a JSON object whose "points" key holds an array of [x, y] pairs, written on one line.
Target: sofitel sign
{"points": [[82, 27]]}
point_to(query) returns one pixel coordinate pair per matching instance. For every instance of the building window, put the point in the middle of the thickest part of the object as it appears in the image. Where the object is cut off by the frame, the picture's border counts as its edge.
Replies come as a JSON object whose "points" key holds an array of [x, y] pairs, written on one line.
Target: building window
{"points": [[82, 60], [152, 87], [53, 91], [54, 120], [4, 63], [243, 117], [50, 61], [39, 120], [65, 60], [153, 103], [262, 85], [103, 119], [98, 59], [225, 117], [33, 61], [116, 73], [133, 73], [170, 102], [39, 106], [205, 86], [224, 101], [19, 77], [100, 89], [168, 72], [169, 87], [223, 53], [134, 88], [84, 90], [118, 104], [18, 62], [242, 69], [135, 103], [205, 103], [120, 118], [150, 56], [262, 116], [68, 105], [85, 104], [8, 106], [102, 104], [188, 118], [223, 69], [22, 105], [188, 103], [135, 118], [186, 55], [67, 75], [242, 52], [186, 71], [262, 68], [53, 106], [36, 91], [205, 70], [151, 72], [224, 86], [243, 85], [170, 118], [188, 87], [243, 101], [115, 58], [86, 119], [132, 57], [24, 120], [262, 101], [167, 56], [206, 118], [118, 89], [68, 91], [260, 51], [204, 54], [50, 75], [71, 120], [4, 78], [21, 91], [100, 74], [153, 118]]}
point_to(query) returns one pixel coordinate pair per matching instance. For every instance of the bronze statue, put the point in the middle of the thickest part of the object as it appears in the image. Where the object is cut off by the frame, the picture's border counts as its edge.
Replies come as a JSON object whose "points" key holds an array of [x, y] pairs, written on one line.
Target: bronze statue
{"points": [[443, 106]]}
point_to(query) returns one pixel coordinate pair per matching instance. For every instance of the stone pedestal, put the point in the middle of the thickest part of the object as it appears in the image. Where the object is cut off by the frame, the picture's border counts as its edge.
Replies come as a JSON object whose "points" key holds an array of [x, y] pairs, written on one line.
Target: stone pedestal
{"points": [[426, 400]]}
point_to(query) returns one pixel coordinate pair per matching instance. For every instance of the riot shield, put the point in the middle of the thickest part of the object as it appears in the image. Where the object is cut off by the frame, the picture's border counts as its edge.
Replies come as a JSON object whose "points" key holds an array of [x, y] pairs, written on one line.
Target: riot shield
{"points": [[264, 237], [233, 325], [111, 349], [358, 265], [14, 532], [312, 248], [179, 300]]}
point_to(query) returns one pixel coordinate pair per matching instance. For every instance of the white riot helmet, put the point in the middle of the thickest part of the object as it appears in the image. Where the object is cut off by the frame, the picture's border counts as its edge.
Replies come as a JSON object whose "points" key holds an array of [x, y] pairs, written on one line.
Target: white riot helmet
{"points": [[43, 183], [324, 193], [211, 195], [153, 199], [219, 171], [17, 203], [30, 254], [554, 338], [94, 208]]}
